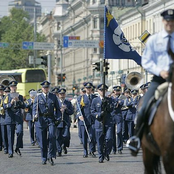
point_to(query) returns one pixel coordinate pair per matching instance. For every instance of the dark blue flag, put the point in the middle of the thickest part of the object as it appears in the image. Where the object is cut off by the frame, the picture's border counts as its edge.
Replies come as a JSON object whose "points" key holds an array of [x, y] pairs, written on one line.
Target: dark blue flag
{"points": [[116, 45]]}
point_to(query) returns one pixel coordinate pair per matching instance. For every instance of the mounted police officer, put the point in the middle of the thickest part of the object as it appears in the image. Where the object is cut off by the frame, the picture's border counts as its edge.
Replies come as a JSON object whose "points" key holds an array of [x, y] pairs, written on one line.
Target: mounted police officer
{"points": [[156, 59], [29, 115], [118, 119], [63, 129], [86, 118], [47, 113], [101, 109]]}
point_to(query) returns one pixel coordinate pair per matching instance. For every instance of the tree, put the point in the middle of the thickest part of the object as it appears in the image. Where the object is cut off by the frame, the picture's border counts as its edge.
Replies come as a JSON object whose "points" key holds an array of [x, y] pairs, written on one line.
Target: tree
{"points": [[16, 29]]}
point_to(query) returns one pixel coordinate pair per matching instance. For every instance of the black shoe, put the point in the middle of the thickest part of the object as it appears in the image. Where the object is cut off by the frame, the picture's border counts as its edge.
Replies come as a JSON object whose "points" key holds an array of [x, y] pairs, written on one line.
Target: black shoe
{"points": [[59, 154], [134, 145], [50, 160], [44, 162], [85, 156], [92, 154], [100, 160], [18, 151], [119, 151], [125, 141], [33, 144], [114, 152], [10, 155], [107, 158], [65, 150]]}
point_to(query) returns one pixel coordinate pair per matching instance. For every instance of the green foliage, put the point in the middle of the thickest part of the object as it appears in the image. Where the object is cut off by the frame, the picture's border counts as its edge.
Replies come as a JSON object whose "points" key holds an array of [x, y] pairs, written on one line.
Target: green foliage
{"points": [[15, 29]]}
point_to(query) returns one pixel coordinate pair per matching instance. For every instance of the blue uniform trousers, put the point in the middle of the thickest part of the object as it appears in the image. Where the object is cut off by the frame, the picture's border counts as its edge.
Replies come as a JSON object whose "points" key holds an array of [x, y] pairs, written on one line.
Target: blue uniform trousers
{"points": [[130, 126], [124, 126], [104, 142], [31, 130], [119, 137], [44, 143], [85, 139], [79, 132], [10, 136], [19, 133], [93, 139], [62, 138], [4, 137], [0, 139]]}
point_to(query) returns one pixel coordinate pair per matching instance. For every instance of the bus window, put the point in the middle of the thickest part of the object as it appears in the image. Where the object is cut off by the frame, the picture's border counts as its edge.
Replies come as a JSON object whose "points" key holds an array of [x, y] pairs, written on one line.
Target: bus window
{"points": [[18, 78], [35, 76]]}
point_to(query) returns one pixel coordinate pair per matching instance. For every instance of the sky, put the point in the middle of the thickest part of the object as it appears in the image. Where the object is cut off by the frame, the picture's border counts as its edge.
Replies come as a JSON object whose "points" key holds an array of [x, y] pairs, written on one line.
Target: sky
{"points": [[47, 6]]}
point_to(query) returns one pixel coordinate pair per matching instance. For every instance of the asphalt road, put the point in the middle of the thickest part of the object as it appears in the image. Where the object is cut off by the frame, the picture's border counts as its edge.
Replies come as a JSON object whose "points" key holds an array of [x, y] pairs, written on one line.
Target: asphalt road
{"points": [[71, 163]]}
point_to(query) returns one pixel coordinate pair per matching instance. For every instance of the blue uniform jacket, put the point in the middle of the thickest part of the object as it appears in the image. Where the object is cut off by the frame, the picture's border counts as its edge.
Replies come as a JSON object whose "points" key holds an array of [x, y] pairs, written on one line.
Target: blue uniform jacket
{"points": [[86, 111], [28, 110], [96, 111], [132, 105], [66, 115], [13, 114], [117, 113], [41, 108]]}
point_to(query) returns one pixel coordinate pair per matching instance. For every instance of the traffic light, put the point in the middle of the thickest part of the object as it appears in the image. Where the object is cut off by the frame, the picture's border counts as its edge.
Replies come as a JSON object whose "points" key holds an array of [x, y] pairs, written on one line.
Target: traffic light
{"points": [[96, 66], [106, 68], [63, 77], [44, 62]]}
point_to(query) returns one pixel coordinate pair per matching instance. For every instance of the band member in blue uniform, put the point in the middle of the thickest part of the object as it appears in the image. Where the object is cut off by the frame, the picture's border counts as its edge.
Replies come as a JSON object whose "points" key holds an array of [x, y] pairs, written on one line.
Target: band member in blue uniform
{"points": [[18, 105], [13, 103], [47, 114], [63, 129], [85, 120], [1, 112], [118, 119], [101, 109], [29, 116], [3, 124]]}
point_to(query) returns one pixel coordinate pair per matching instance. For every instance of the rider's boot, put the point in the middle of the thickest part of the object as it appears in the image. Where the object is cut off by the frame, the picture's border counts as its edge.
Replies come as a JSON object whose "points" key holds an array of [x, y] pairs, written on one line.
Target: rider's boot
{"points": [[134, 142]]}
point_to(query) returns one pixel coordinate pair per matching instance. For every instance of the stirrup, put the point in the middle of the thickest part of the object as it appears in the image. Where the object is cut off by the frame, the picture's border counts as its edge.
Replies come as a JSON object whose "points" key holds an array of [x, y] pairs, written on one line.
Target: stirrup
{"points": [[131, 144]]}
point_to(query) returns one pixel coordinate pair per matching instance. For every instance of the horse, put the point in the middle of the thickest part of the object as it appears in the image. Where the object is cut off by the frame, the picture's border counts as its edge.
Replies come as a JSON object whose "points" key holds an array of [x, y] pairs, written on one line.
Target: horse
{"points": [[158, 138]]}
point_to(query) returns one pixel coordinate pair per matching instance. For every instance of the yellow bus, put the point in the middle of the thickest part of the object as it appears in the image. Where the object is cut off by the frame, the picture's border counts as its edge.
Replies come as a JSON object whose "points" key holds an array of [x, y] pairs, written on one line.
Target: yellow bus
{"points": [[27, 78]]}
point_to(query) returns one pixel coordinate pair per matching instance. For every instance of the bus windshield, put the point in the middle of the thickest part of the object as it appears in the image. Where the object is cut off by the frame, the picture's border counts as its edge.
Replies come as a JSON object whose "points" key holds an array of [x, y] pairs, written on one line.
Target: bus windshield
{"points": [[35, 76]]}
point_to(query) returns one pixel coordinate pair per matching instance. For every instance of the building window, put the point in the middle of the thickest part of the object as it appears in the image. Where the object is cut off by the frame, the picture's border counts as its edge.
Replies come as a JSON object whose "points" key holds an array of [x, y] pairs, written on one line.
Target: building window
{"points": [[95, 50], [95, 23], [101, 23]]}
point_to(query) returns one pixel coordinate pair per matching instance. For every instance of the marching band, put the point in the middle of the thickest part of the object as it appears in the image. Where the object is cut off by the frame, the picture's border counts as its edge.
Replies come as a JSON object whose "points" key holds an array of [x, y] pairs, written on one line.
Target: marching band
{"points": [[100, 119]]}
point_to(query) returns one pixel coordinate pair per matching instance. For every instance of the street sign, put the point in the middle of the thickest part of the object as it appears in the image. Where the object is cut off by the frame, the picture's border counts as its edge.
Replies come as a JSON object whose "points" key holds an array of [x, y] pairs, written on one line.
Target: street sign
{"points": [[144, 36], [67, 38], [83, 44], [27, 45], [37, 61], [4, 45], [43, 46]]}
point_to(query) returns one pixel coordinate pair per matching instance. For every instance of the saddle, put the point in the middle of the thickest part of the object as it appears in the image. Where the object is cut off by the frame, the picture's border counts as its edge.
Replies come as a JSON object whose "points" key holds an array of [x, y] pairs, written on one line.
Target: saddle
{"points": [[154, 102]]}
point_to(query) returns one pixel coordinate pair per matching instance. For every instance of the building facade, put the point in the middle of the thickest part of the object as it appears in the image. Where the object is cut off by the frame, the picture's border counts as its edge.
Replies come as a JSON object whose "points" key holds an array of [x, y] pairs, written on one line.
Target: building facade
{"points": [[31, 6], [86, 19]]}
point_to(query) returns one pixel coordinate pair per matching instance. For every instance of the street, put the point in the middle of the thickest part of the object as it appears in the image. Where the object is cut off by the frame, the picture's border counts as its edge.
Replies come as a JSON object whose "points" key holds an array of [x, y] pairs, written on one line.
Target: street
{"points": [[71, 163]]}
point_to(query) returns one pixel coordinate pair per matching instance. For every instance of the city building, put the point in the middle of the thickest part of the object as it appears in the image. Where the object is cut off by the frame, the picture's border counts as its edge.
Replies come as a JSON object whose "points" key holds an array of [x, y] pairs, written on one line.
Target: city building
{"points": [[85, 21], [31, 6]]}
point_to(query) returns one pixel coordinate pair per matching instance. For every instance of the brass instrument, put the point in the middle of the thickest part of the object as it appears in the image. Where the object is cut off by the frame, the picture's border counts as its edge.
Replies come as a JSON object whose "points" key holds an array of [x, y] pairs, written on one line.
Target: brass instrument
{"points": [[5, 79], [134, 80]]}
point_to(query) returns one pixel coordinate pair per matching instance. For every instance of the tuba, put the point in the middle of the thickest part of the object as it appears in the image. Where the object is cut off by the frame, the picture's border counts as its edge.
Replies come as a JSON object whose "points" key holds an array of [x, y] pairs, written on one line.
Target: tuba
{"points": [[5, 79], [134, 80]]}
